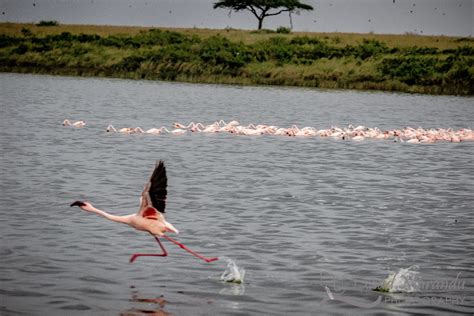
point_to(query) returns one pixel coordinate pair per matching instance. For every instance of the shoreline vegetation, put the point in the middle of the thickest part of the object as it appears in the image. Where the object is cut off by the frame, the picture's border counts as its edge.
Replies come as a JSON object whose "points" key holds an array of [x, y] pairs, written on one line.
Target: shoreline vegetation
{"points": [[406, 63]]}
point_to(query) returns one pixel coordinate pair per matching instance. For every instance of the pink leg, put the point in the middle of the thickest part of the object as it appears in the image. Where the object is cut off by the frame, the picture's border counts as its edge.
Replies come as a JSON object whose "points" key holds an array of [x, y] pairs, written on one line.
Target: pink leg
{"points": [[189, 250], [164, 254]]}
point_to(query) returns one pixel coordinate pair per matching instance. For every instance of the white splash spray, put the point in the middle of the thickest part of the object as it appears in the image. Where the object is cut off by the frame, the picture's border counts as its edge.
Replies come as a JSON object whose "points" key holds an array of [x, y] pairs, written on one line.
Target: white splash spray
{"points": [[403, 281], [232, 273]]}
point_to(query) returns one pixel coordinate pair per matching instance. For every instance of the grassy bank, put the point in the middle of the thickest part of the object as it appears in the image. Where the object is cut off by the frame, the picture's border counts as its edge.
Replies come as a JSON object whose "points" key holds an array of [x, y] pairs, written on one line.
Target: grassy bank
{"points": [[410, 63]]}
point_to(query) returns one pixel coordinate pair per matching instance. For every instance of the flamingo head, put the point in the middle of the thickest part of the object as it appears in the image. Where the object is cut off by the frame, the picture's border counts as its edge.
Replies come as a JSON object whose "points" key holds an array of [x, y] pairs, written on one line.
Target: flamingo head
{"points": [[86, 206]]}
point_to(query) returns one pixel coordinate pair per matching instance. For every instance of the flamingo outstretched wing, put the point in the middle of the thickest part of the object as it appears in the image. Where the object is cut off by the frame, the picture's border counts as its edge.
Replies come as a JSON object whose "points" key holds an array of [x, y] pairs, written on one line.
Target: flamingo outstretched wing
{"points": [[154, 194]]}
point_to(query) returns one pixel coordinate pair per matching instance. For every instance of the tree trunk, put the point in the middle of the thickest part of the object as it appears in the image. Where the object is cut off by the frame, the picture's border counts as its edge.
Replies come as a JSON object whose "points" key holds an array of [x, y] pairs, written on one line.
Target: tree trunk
{"points": [[260, 23]]}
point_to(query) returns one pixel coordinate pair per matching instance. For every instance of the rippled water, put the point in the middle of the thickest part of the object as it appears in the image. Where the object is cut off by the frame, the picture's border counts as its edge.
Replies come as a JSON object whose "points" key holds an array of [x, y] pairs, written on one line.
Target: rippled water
{"points": [[298, 214]]}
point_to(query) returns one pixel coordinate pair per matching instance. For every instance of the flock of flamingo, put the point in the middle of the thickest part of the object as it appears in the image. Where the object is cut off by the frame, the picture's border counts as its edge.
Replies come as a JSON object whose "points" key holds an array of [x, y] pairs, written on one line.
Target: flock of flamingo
{"points": [[359, 133]]}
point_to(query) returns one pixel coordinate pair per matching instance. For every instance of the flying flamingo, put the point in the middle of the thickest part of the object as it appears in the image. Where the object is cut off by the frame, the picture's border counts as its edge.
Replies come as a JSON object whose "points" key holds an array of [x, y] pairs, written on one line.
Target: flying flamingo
{"points": [[150, 216]]}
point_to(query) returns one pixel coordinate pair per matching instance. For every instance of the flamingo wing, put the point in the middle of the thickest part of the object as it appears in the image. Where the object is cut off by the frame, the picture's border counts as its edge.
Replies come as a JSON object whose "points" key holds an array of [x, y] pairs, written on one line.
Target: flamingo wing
{"points": [[154, 193]]}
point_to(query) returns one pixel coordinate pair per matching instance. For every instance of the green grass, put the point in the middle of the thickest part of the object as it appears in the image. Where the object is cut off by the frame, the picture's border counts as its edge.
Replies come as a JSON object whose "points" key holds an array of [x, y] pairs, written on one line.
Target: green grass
{"points": [[410, 63]]}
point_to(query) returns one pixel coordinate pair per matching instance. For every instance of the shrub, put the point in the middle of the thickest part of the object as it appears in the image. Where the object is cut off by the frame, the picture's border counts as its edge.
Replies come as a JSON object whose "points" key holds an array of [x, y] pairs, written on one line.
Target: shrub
{"points": [[87, 38], [283, 30], [119, 41], [464, 51], [280, 49], [48, 23], [41, 48], [419, 50], [263, 31], [410, 70], [174, 54], [305, 40], [130, 63], [26, 32], [158, 37], [21, 49], [460, 73], [460, 51], [464, 39], [368, 48], [218, 50], [317, 51], [63, 37], [6, 40]]}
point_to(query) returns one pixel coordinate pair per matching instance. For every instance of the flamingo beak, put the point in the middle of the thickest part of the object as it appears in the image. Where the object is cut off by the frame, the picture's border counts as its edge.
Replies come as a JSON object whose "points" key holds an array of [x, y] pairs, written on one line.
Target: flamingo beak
{"points": [[78, 203]]}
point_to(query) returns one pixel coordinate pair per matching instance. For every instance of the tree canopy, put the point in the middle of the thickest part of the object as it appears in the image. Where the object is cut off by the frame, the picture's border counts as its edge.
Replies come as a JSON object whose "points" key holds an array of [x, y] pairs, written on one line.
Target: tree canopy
{"points": [[263, 8]]}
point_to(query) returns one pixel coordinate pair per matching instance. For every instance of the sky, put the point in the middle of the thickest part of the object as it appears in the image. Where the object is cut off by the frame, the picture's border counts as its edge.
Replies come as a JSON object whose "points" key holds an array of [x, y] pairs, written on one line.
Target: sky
{"points": [[428, 17]]}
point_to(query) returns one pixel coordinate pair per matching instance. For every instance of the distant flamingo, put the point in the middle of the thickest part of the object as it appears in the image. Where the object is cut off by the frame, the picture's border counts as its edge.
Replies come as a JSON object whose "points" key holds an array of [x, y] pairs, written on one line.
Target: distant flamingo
{"points": [[193, 127], [75, 124], [154, 131], [150, 216], [125, 130], [212, 128], [176, 131], [358, 138]]}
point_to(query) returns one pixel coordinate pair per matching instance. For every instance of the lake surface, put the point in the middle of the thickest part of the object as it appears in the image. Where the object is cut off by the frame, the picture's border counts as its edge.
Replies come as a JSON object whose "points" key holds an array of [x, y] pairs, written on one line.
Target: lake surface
{"points": [[301, 215]]}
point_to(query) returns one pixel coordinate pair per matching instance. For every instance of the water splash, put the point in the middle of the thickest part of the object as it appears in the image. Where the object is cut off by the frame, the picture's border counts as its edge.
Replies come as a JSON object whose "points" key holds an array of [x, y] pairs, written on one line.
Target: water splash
{"points": [[233, 273], [403, 281]]}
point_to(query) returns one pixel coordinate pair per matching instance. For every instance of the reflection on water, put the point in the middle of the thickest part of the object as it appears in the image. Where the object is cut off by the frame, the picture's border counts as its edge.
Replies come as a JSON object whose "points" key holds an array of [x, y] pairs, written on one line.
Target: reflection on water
{"points": [[151, 306], [298, 214]]}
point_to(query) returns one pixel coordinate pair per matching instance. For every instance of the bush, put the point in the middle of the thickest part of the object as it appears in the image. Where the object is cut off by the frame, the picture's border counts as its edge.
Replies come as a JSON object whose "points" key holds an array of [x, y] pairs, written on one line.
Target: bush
{"points": [[305, 40], [174, 54], [419, 51], [26, 32], [410, 70], [63, 37], [317, 51], [218, 50], [158, 37], [464, 51], [48, 23], [263, 31], [283, 30], [130, 63], [368, 48], [87, 38], [21, 49], [119, 41], [460, 73], [6, 40]]}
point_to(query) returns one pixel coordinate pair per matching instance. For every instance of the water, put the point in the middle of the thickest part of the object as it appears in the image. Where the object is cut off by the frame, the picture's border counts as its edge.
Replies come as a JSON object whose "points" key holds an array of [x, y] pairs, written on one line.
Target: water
{"points": [[299, 215]]}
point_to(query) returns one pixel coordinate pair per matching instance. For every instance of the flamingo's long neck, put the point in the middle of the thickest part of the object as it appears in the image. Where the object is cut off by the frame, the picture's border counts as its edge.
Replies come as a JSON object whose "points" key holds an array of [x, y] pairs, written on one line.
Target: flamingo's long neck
{"points": [[114, 218], [111, 128]]}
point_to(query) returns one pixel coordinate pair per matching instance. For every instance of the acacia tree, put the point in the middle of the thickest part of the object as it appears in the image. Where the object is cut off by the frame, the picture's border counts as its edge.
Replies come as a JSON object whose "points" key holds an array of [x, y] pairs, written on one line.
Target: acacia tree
{"points": [[263, 8]]}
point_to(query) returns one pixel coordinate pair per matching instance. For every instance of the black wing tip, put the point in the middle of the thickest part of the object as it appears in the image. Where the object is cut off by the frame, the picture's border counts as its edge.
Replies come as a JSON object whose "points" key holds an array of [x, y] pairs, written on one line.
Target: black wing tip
{"points": [[157, 190], [160, 163]]}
